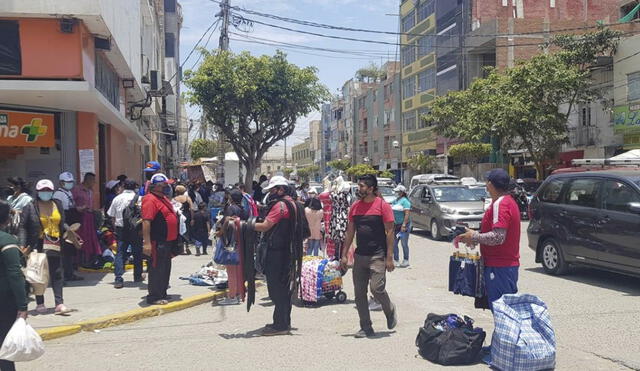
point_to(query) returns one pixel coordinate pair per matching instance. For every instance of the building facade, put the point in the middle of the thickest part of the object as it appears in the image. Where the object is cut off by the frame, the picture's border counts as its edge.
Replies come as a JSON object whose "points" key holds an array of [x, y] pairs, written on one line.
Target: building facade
{"points": [[626, 93], [82, 85], [302, 155]]}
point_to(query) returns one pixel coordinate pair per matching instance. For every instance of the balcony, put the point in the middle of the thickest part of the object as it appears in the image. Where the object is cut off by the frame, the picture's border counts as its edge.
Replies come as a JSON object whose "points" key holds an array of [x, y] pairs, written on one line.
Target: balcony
{"points": [[583, 136]]}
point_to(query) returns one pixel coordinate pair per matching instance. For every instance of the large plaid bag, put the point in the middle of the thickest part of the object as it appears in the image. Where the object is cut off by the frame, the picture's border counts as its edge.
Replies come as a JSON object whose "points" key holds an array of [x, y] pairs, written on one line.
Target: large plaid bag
{"points": [[523, 338]]}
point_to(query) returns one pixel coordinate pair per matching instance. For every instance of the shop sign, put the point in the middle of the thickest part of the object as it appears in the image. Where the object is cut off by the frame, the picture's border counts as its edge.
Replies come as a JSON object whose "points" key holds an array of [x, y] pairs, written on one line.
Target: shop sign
{"points": [[26, 129], [626, 119]]}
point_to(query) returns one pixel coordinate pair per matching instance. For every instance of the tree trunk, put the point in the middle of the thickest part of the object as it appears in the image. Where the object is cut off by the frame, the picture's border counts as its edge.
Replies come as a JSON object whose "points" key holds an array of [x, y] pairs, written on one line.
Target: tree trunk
{"points": [[250, 168], [539, 170]]}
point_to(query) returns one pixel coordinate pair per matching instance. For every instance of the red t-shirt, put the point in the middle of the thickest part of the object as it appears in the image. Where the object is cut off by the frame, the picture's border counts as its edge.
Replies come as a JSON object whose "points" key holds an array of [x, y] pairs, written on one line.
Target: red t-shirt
{"points": [[164, 220], [278, 211], [504, 213]]}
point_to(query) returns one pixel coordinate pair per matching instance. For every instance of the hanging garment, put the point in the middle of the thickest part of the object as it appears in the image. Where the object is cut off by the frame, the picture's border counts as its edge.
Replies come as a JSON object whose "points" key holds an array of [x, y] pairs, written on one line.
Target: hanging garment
{"points": [[339, 215]]}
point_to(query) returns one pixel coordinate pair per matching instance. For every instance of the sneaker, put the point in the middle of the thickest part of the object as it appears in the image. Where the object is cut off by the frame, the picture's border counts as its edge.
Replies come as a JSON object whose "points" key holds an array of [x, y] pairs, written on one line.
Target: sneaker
{"points": [[118, 284], [270, 331], [396, 263], [374, 305], [41, 309], [365, 333], [404, 264], [229, 301], [393, 321]]}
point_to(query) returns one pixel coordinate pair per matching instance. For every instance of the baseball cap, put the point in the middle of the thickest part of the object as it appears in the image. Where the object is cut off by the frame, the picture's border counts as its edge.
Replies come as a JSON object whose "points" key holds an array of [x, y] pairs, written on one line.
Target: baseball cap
{"points": [[110, 184], [152, 166], [44, 184], [499, 178], [66, 177], [400, 188], [159, 178], [276, 181]]}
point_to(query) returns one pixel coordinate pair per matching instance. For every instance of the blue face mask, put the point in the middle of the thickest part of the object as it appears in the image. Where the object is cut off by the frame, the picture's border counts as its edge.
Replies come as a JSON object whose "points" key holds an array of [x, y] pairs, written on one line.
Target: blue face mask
{"points": [[68, 185], [45, 195]]}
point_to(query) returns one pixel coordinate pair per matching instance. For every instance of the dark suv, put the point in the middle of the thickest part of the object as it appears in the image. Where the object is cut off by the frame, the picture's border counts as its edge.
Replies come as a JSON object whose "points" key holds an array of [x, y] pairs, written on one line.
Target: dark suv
{"points": [[590, 218]]}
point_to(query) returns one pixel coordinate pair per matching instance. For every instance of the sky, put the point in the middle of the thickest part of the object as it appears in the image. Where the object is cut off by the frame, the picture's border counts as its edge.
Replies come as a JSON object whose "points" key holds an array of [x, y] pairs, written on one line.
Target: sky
{"points": [[333, 68]]}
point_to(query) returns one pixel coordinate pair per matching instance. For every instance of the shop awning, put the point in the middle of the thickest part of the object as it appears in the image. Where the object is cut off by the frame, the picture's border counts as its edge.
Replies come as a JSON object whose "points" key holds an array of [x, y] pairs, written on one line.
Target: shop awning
{"points": [[634, 154], [68, 96]]}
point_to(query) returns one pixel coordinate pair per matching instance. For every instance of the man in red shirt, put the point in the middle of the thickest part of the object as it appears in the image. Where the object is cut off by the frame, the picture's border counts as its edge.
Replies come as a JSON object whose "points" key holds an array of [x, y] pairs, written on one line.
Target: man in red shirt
{"points": [[371, 219], [284, 252], [499, 238], [160, 235]]}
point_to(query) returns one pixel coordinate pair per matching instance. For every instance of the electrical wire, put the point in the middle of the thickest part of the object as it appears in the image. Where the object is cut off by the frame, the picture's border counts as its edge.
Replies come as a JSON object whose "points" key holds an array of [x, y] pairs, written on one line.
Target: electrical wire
{"points": [[205, 47], [350, 29], [194, 48], [303, 52]]}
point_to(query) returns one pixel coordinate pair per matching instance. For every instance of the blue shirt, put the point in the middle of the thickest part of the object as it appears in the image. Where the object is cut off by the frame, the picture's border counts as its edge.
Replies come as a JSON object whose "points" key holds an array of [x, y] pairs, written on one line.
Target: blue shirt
{"points": [[399, 205]]}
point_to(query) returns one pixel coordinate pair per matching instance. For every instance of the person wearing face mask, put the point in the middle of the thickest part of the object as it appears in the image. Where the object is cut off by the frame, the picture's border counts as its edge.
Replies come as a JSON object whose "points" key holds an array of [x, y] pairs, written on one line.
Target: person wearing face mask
{"points": [[83, 199], [401, 207], [18, 199], [160, 237], [42, 228], [64, 196]]}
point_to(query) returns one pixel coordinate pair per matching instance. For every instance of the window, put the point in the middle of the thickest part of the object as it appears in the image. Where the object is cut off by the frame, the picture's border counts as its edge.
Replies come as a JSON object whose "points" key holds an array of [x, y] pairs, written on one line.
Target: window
{"points": [[169, 45], [10, 60], [409, 87], [410, 121], [426, 80], [169, 6], [633, 86], [416, 193], [425, 9], [421, 113], [408, 55], [617, 196], [425, 45], [409, 21], [583, 192], [375, 146], [551, 192], [585, 115]]}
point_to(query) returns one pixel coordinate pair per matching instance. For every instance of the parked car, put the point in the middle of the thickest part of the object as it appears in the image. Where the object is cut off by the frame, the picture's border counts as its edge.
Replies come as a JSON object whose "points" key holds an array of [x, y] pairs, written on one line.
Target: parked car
{"points": [[589, 218], [387, 182], [440, 208], [480, 190], [387, 193], [432, 178]]}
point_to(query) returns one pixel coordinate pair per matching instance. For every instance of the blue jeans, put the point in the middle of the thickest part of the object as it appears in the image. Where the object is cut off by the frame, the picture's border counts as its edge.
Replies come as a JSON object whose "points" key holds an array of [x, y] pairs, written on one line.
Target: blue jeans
{"points": [[404, 240], [313, 247], [499, 281], [121, 255]]}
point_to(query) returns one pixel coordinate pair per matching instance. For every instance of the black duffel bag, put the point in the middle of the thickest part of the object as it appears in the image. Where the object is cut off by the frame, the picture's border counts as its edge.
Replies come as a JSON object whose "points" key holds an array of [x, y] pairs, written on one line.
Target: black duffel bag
{"points": [[456, 346]]}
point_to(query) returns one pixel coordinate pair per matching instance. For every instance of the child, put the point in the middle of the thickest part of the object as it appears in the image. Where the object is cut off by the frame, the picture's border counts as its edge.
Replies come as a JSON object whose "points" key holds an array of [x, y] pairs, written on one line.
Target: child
{"points": [[314, 216], [201, 228]]}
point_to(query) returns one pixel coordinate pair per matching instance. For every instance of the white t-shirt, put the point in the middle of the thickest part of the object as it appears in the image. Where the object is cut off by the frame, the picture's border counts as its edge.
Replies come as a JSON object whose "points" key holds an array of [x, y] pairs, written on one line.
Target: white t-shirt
{"points": [[119, 203]]}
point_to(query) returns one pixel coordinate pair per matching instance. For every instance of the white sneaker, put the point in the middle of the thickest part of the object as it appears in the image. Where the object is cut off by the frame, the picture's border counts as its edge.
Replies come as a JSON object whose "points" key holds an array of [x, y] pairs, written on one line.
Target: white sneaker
{"points": [[396, 264], [229, 301], [405, 264], [374, 305]]}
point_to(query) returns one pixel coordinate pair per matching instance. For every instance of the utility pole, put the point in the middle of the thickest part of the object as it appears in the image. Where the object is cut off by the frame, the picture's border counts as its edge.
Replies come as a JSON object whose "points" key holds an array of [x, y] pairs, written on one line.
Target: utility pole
{"points": [[224, 46]]}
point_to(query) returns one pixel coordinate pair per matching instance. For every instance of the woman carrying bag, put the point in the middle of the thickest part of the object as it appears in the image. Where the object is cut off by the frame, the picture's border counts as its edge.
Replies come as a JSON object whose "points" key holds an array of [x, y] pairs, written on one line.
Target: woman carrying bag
{"points": [[42, 228], [13, 299], [234, 272]]}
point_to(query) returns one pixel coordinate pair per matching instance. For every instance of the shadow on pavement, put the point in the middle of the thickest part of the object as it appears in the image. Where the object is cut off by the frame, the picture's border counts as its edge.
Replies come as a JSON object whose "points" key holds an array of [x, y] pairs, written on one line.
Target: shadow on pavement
{"points": [[250, 334], [600, 278], [378, 335], [90, 279], [171, 298]]}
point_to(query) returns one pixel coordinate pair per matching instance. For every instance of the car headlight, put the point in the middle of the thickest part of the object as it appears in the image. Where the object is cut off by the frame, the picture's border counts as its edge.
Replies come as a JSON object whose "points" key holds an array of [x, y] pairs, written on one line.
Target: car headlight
{"points": [[447, 210]]}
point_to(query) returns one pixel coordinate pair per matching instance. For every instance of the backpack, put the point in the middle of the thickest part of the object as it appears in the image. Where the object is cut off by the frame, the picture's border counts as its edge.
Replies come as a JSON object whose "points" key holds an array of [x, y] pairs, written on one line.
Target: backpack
{"points": [[132, 222], [250, 205], [449, 345]]}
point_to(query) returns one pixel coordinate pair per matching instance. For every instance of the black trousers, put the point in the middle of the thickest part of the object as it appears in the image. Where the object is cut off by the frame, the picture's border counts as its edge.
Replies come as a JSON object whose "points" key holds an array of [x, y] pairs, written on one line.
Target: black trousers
{"points": [[159, 272], [68, 253], [55, 278], [8, 313], [277, 271]]}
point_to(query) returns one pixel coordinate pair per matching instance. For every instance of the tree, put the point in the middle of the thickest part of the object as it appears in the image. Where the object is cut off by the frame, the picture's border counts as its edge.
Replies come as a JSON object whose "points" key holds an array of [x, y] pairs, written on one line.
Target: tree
{"points": [[308, 171], [287, 172], [370, 74], [470, 153], [522, 105], [206, 148], [356, 171], [254, 101], [386, 174], [422, 164], [341, 165]]}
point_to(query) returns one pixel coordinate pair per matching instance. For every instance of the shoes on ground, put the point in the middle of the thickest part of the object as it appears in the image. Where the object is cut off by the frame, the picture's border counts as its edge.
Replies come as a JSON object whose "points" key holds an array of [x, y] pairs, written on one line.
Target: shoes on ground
{"points": [[62, 309], [365, 333], [118, 284], [392, 321], [270, 331], [229, 301], [374, 305], [404, 264], [396, 263], [41, 309]]}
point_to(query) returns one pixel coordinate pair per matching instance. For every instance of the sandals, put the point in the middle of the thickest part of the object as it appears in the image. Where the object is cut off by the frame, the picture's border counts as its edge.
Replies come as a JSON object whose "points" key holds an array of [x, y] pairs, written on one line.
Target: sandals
{"points": [[160, 302]]}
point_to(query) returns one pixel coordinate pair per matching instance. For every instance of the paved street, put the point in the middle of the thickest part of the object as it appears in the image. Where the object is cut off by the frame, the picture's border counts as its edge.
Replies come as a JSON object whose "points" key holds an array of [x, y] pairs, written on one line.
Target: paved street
{"points": [[594, 315]]}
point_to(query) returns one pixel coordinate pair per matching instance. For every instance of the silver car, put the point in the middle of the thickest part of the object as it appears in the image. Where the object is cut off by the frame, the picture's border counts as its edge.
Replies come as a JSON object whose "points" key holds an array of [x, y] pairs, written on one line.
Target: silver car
{"points": [[440, 208]]}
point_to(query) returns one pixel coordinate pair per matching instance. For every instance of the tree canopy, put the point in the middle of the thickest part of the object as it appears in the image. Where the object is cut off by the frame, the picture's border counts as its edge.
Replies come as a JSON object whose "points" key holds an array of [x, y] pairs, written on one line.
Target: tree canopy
{"points": [[306, 172], [206, 148], [422, 164], [470, 153], [359, 170], [339, 164], [254, 101]]}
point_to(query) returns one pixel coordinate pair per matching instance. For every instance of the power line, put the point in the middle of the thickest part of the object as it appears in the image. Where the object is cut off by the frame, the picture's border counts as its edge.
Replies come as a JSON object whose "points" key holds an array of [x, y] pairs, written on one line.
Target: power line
{"points": [[205, 46], [294, 50], [347, 51], [350, 29], [194, 48]]}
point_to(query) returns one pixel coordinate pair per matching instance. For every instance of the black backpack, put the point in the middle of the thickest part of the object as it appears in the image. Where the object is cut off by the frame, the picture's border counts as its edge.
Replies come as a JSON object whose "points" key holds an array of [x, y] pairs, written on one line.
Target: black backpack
{"points": [[132, 222], [457, 346]]}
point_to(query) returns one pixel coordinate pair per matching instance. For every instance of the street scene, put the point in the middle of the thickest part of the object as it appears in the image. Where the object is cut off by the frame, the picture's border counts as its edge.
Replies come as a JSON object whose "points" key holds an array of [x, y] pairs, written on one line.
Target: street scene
{"points": [[301, 184]]}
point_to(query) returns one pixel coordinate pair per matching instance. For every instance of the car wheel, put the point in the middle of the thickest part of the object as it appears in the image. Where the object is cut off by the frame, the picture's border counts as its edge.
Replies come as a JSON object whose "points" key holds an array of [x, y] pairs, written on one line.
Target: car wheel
{"points": [[435, 230], [552, 259]]}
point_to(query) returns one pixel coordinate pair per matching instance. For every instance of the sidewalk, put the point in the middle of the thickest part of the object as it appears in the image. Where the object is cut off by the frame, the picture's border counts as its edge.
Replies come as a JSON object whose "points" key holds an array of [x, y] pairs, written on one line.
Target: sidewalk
{"points": [[95, 296]]}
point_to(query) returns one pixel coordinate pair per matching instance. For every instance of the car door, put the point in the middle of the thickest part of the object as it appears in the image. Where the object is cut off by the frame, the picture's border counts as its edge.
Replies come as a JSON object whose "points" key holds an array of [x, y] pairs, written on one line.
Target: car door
{"points": [[618, 228], [578, 215], [417, 207]]}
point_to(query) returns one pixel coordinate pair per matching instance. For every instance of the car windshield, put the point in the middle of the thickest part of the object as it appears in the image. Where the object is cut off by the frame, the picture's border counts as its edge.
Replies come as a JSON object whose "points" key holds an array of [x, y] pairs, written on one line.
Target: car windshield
{"points": [[386, 191], [479, 192], [454, 194]]}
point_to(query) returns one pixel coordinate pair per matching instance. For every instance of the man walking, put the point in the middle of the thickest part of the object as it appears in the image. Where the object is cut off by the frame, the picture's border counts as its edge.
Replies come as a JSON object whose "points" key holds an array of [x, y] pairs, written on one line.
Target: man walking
{"points": [[72, 216], [160, 236], [499, 238], [371, 219], [284, 252], [116, 211]]}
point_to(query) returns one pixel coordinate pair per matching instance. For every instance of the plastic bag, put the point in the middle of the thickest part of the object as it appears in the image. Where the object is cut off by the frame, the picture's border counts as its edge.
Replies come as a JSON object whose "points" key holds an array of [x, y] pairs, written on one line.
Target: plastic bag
{"points": [[22, 343]]}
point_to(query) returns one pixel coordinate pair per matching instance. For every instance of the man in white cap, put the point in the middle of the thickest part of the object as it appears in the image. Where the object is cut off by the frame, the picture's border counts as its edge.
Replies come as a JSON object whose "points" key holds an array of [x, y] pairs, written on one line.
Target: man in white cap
{"points": [[282, 234], [63, 194]]}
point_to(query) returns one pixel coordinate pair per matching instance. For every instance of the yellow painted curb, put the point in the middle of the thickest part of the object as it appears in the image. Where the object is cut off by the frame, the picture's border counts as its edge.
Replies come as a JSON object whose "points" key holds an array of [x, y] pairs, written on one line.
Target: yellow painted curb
{"points": [[58, 332]]}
